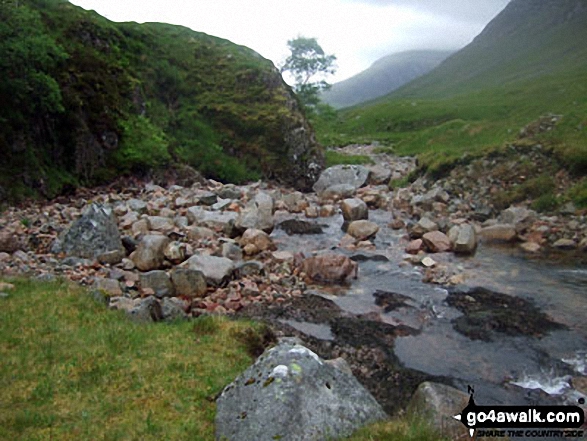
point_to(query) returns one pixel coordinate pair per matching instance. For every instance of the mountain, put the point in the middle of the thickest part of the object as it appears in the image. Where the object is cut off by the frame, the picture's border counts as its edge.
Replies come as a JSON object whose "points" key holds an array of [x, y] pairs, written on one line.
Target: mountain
{"points": [[85, 100], [529, 65], [527, 40], [384, 76]]}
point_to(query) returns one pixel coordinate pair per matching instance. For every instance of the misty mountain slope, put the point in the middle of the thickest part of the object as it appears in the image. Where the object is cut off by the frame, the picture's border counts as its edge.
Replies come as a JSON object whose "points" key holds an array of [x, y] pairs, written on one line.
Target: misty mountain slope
{"points": [[528, 39], [384, 76], [528, 63]]}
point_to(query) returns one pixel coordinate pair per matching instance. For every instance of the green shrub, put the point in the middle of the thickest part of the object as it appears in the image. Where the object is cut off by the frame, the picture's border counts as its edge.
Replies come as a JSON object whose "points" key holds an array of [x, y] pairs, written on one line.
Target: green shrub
{"points": [[143, 146]]}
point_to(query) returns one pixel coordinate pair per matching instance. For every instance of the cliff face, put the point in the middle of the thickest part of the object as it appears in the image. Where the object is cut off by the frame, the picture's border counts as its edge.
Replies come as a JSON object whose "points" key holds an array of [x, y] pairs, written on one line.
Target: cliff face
{"points": [[123, 98]]}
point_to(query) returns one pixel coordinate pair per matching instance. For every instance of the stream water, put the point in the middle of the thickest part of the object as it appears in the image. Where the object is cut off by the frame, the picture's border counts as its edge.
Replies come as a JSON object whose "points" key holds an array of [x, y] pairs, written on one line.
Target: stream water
{"points": [[509, 370]]}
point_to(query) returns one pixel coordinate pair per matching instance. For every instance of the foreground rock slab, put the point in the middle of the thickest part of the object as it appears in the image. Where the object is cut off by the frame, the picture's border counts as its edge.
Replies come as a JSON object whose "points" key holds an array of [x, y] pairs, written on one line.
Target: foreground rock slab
{"points": [[291, 394]]}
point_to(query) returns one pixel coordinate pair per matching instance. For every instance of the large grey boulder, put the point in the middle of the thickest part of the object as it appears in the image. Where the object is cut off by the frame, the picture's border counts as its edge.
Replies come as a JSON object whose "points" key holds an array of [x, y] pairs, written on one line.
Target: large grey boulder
{"points": [[354, 209], [93, 234], [258, 214], [463, 239], [436, 404], [188, 282], [355, 175], [291, 394], [150, 254], [216, 270], [159, 282]]}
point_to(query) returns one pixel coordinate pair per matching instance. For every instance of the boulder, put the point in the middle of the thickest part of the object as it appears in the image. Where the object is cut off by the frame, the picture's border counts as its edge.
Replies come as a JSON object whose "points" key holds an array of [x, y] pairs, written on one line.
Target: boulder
{"points": [[362, 229], [137, 206], [109, 286], [188, 282], [565, 244], [379, 175], [329, 268], [216, 270], [436, 404], [521, 218], [354, 209], [172, 309], [219, 221], [175, 252], [10, 242], [160, 223], [355, 175], [258, 238], [338, 191], [415, 246], [159, 282], [424, 225], [94, 233], [146, 309], [291, 394], [463, 239], [436, 242], [296, 226], [150, 254], [232, 251], [499, 233], [258, 214]]}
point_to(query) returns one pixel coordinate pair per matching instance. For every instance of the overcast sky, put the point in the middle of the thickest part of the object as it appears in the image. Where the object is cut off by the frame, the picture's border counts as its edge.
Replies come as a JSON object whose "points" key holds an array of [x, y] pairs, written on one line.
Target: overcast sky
{"points": [[358, 32]]}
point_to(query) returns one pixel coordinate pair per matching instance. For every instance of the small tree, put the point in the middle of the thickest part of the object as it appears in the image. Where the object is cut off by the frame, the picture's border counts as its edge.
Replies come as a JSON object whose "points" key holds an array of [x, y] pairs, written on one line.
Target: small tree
{"points": [[308, 62]]}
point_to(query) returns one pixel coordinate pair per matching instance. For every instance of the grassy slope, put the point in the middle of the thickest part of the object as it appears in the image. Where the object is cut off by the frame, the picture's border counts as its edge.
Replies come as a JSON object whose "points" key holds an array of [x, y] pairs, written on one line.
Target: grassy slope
{"points": [[517, 70], [70, 369]]}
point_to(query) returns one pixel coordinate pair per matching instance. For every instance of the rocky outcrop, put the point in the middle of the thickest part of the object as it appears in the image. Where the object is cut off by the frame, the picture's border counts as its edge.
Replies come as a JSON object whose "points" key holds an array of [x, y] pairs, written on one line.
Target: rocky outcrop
{"points": [[291, 394], [355, 175], [94, 233]]}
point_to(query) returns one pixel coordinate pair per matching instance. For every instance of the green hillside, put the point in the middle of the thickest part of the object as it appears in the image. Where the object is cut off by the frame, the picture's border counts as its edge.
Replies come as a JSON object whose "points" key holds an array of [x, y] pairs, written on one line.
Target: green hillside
{"points": [[85, 100], [530, 61], [384, 76]]}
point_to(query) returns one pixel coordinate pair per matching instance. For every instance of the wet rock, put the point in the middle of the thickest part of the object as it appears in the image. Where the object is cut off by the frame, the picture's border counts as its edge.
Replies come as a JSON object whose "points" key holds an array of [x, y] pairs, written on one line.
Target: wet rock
{"points": [[463, 239], [316, 401], [150, 254], [436, 242], [531, 247], [362, 229], [188, 282], [354, 175], [499, 233], [10, 242], [565, 244], [172, 309], [437, 403], [259, 239], [329, 268], [327, 210], [258, 214], [311, 212], [94, 233], [397, 224], [487, 312], [390, 301], [428, 262], [354, 209], [216, 270], [296, 226], [159, 282]]}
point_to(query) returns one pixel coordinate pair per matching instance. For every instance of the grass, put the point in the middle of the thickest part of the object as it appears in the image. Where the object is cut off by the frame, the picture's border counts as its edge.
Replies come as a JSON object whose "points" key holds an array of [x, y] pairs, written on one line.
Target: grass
{"points": [[441, 131], [71, 369], [335, 158], [404, 429]]}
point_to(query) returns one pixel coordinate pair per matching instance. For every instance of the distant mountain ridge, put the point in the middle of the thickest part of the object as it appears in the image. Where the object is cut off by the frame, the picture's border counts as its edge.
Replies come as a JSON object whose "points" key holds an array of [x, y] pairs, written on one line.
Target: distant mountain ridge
{"points": [[384, 76], [528, 39]]}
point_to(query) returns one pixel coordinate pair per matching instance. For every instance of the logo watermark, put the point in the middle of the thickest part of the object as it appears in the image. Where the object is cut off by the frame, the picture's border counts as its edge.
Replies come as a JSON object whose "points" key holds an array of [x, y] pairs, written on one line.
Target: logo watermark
{"points": [[528, 421]]}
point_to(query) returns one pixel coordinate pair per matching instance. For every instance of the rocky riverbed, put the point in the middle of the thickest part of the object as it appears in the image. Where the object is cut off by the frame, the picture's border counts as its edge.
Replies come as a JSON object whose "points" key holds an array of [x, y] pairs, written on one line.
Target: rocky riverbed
{"points": [[162, 252]]}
